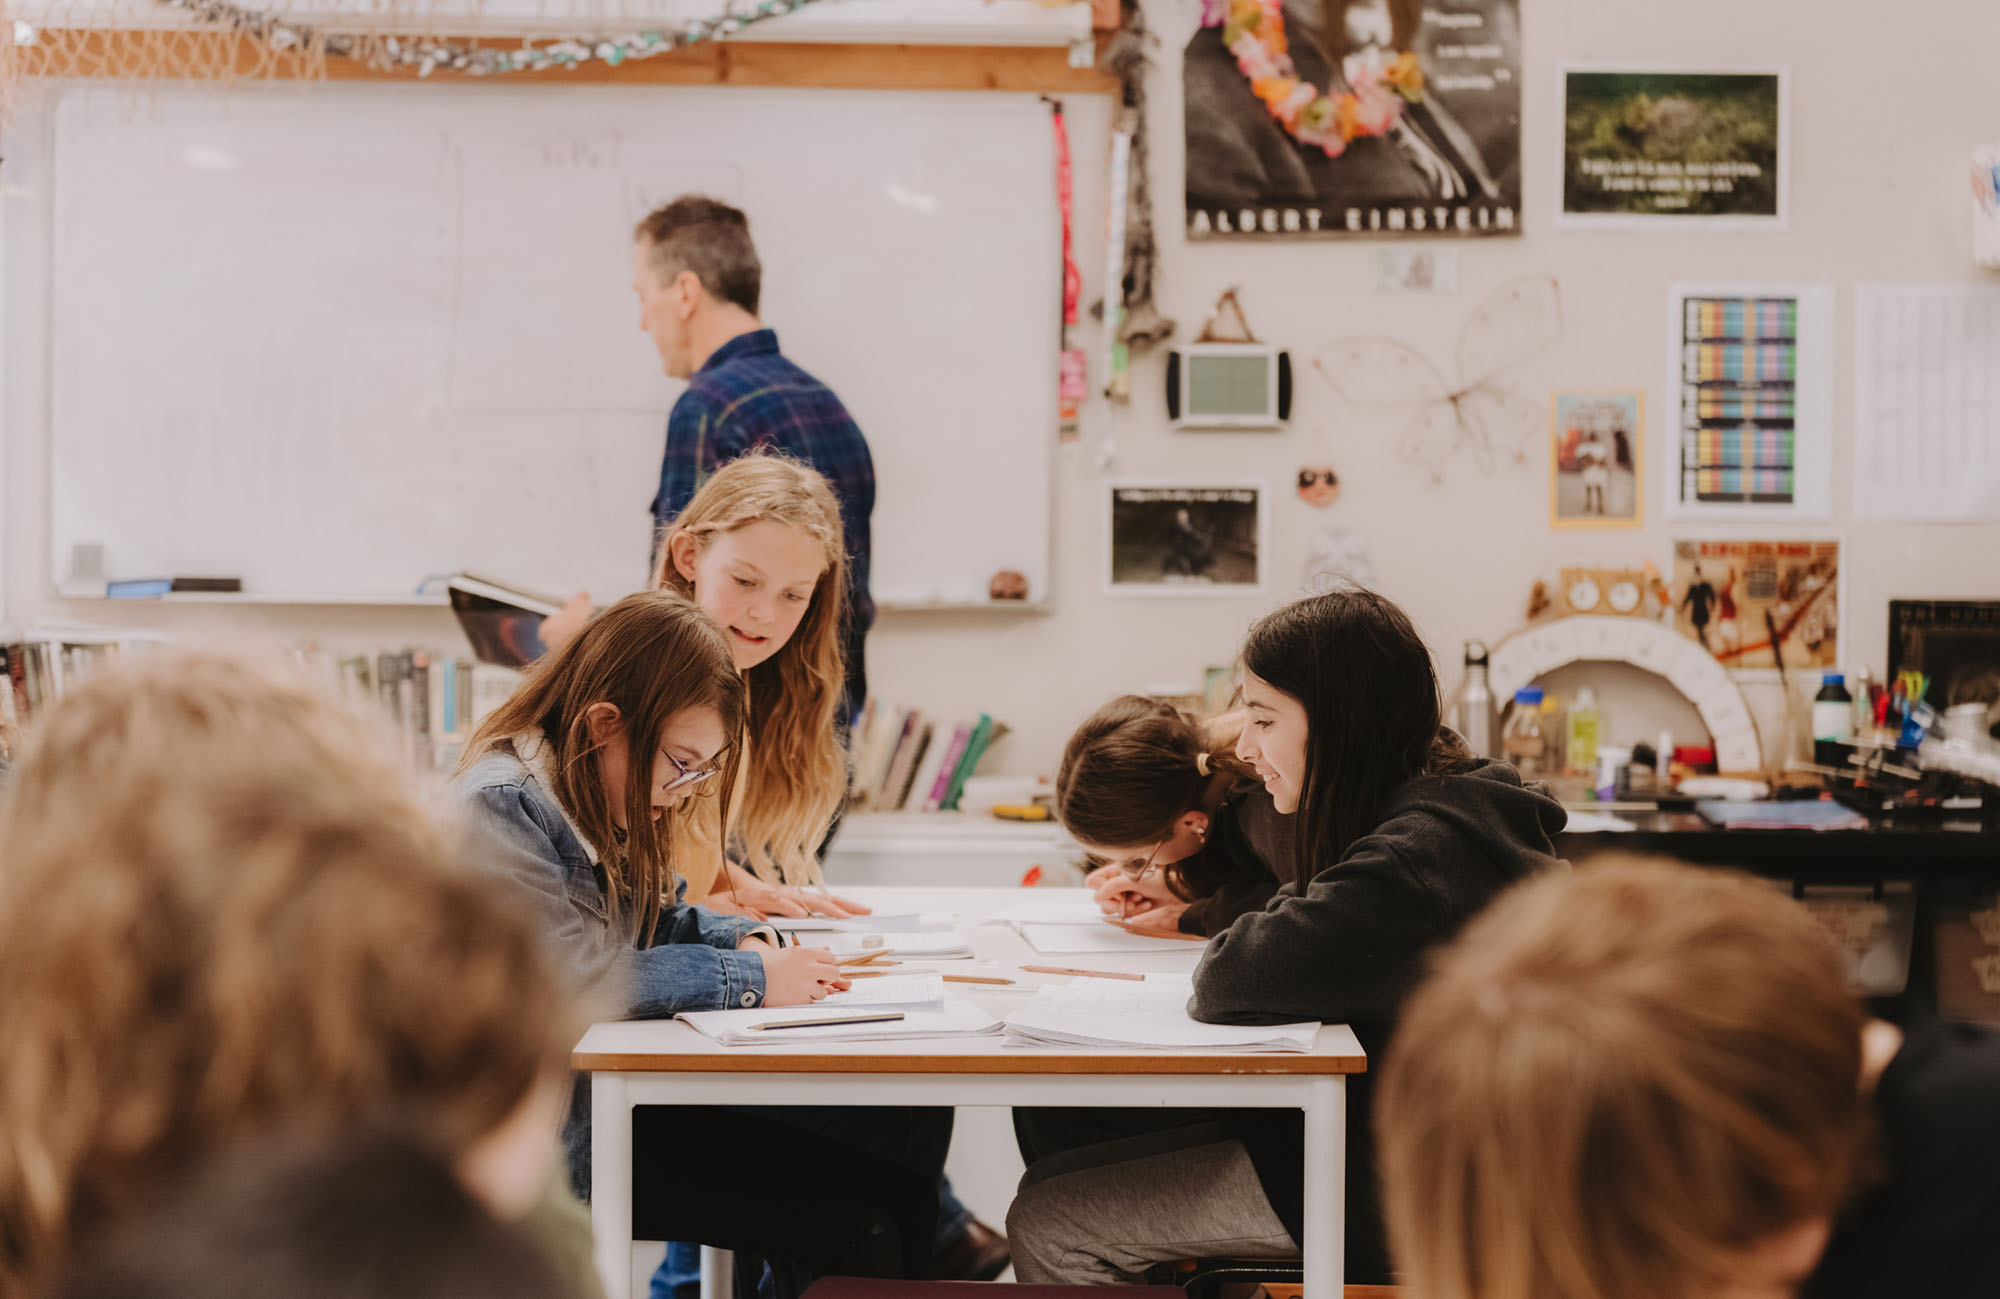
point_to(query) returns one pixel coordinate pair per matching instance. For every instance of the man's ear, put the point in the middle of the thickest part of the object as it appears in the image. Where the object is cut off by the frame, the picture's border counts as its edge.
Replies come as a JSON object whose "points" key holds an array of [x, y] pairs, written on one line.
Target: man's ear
{"points": [[688, 293], [681, 551], [603, 721]]}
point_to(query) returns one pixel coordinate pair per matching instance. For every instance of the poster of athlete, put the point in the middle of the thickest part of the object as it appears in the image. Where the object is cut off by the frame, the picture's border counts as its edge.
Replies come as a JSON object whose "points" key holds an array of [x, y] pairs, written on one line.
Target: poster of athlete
{"points": [[1342, 119]]}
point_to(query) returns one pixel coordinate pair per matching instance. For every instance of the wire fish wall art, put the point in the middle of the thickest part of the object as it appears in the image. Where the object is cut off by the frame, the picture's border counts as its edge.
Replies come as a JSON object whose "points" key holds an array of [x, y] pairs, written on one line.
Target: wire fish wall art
{"points": [[1479, 413]]}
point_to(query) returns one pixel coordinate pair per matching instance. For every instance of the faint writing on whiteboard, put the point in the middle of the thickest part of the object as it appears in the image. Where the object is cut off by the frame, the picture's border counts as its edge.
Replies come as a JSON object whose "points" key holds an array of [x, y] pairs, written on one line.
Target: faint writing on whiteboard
{"points": [[1927, 402]]}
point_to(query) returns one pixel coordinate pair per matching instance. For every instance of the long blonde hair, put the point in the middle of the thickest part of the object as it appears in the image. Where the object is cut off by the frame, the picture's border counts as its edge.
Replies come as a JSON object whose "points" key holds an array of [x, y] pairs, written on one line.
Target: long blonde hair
{"points": [[222, 913], [651, 656], [1618, 1085], [795, 774]]}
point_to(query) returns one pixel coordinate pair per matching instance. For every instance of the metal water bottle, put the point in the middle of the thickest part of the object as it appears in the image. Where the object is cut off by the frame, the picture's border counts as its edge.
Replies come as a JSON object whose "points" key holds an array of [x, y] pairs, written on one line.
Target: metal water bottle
{"points": [[1475, 703]]}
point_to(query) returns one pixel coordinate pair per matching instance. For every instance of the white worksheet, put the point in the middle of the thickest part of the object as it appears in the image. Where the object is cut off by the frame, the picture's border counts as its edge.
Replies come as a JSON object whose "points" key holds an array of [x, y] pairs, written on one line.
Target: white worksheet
{"points": [[1926, 402]]}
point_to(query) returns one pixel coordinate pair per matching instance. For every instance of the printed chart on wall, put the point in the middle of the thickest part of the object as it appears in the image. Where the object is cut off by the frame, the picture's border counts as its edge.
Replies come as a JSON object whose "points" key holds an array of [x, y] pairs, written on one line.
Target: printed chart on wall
{"points": [[1353, 118], [1750, 368], [1926, 402]]}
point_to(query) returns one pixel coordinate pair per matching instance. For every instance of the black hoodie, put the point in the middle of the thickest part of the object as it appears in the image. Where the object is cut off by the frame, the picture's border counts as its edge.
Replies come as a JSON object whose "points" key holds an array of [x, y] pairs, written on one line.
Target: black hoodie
{"points": [[1349, 945]]}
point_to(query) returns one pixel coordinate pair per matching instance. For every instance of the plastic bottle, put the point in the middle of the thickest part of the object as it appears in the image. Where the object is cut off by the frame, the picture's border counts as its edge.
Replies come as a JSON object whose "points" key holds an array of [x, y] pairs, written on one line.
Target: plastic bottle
{"points": [[1475, 703], [1583, 732], [1555, 734], [1522, 740], [1832, 717]]}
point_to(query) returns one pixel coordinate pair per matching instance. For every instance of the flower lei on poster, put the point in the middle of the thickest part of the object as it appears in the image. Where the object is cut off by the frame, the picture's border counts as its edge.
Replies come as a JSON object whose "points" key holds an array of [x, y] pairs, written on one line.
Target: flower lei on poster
{"points": [[427, 54], [1254, 31]]}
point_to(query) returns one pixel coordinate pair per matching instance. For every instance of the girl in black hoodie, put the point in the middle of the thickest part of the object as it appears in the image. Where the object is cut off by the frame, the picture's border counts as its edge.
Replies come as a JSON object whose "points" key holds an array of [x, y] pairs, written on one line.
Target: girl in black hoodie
{"points": [[1401, 837]]}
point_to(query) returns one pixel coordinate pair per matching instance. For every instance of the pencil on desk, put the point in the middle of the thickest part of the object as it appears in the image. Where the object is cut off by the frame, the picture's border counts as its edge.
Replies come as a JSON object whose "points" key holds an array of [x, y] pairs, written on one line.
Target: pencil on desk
{"points": [[875, 955], [1087, 974], [883, 1018], [948, 978]]}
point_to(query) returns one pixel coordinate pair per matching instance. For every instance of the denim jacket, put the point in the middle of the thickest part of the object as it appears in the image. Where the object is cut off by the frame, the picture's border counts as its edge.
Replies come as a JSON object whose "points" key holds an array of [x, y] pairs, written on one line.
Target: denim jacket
{"points": [[688, 962]]}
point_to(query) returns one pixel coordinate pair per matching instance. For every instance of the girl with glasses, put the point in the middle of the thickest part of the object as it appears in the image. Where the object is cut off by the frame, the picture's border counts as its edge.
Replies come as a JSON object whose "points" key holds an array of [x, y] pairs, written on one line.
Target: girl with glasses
{"points": [[1400, 838]]}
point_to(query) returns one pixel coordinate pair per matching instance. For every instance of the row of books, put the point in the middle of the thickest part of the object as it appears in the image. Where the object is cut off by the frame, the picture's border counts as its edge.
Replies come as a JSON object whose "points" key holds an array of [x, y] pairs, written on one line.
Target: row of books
{"points": [[36, 668], [905, 761], [433, 700]]}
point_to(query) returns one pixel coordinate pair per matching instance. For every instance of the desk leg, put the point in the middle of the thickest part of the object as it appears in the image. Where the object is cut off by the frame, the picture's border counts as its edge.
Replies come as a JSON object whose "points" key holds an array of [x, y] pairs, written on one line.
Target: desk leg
{"points": [[611, 1182], [1326, 1188]]}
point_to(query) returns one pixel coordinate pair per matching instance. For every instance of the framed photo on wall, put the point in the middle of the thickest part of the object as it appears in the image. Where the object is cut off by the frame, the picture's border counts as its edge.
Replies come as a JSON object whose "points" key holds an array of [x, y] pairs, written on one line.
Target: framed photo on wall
{"points": [[1654, 147], [1750, 399], [1596, 460], [1186, 538]]}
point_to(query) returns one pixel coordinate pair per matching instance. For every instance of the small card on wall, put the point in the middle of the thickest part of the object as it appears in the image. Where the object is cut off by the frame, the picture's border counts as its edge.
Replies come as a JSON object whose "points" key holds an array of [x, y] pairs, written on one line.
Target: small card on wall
{"points": [[1416, 270]]}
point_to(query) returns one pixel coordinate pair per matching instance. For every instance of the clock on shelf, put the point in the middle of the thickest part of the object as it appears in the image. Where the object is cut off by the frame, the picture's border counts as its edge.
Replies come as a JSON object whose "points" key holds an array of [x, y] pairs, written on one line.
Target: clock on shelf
{"points": [[1687, 667], [1617, 591]]}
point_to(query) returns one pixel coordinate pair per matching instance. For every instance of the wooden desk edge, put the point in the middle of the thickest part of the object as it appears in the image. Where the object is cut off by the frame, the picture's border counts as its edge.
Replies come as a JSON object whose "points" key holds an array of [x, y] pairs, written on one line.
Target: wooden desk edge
{"points": [[759, 1061]]}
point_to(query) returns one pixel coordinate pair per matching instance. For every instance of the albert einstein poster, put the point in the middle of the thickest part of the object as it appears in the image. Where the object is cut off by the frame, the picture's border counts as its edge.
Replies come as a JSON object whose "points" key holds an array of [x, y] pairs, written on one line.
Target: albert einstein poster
{"points": [[1342, 119]]}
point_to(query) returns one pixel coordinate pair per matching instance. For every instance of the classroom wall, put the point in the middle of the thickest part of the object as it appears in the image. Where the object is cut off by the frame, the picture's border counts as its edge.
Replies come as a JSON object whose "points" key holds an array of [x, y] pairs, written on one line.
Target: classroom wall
{"points": [[1883, 116]]}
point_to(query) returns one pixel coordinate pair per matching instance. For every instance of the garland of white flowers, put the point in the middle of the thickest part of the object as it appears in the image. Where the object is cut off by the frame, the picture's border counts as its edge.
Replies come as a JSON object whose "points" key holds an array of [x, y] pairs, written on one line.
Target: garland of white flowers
{"points": [[427, 54]]}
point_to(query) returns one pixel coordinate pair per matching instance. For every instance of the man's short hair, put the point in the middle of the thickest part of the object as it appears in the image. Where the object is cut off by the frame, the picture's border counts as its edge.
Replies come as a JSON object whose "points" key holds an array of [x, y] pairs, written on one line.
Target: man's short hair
{"points": [[711, 239]]}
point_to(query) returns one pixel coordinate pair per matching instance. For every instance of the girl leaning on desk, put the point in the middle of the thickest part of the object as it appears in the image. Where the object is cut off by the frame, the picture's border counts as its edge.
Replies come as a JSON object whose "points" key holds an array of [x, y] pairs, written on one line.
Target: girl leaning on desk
{"points": [[1398, 837], [585, 777]]}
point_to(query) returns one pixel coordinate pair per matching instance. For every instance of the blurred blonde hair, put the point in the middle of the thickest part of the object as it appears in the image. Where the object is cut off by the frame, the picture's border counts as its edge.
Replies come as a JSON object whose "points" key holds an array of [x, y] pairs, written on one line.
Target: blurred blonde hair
{"points": [[795, 775], [222, 912], [1619, 1084], [651, 655]]}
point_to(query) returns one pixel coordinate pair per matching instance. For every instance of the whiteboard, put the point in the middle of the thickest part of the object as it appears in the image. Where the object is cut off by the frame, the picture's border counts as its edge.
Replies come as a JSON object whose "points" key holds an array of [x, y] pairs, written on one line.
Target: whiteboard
{"points": [[336, 340]]}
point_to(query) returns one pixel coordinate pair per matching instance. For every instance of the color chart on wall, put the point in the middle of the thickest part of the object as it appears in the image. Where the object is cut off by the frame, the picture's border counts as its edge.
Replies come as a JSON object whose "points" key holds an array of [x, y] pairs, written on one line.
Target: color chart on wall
{"points": [[1739, 427], [1750, 437]]}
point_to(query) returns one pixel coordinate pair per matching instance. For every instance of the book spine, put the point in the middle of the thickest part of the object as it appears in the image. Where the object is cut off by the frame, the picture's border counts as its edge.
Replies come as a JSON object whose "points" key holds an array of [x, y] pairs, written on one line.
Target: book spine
{"points": [[902, 791], [420, 710], [901, 763], [386, 664], [901, 731], [949, 767], [17, 674], [975, 744], [465, 698]]}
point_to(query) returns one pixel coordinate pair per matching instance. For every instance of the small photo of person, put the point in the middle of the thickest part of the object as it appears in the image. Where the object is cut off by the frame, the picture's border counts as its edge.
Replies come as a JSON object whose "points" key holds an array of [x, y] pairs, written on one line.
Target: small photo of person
{"points": [[1170, 539], [1594, 478]]}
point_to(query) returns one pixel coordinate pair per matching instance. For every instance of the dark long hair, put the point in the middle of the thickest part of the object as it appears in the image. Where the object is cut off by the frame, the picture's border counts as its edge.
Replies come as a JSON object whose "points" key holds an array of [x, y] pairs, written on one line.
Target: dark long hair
{"points": [[1373, 718], [1135, 765]]}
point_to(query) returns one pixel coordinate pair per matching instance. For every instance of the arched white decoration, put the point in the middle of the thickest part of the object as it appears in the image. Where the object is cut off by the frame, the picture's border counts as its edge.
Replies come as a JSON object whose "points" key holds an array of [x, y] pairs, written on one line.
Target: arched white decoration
{"points": [[1687, 667]]}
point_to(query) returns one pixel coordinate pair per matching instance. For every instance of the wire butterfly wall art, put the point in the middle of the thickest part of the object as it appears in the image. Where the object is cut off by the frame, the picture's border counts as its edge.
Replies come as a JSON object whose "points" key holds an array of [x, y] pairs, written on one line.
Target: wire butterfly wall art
{"points": [[1479, 413]]}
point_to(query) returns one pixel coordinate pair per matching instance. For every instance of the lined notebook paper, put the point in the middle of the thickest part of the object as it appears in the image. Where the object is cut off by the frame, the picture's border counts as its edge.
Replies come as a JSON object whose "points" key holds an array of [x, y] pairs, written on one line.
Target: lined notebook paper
{"points": [[864, 924], [1148, 1016], [898, 990]]}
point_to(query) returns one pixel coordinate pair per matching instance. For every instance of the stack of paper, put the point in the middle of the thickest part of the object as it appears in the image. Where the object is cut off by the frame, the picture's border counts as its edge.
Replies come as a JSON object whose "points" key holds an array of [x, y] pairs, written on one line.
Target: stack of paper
{"points": [[864, 924], [903, 991], [1149, 1016], [928, 945], [950, 1018], [1079, 928]]}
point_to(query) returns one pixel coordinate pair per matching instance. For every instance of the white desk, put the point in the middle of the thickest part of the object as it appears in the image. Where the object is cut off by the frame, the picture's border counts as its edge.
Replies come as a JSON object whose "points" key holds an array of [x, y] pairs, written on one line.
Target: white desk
{"points": [[661, 1062]]}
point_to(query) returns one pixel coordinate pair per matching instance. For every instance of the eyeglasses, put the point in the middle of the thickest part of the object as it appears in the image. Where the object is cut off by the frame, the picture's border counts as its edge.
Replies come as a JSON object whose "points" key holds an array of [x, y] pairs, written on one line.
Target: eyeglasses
{"points": [[1308, 477], [684, 775], [1135, 868]]}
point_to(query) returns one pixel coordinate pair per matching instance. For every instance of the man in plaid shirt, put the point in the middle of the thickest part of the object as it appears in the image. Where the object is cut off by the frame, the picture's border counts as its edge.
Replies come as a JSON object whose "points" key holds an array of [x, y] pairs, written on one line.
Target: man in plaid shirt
{"points": [[698, 278]]}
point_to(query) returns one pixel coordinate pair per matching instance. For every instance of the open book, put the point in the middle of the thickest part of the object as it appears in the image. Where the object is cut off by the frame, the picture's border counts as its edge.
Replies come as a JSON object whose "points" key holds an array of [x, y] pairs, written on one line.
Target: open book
{"points": [[503, 623], [1150, 1016]]}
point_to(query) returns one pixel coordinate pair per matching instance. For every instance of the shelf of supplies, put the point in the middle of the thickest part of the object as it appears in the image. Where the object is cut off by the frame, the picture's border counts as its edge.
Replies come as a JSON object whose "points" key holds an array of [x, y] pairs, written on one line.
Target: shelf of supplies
{"points": [[263, 597]]}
